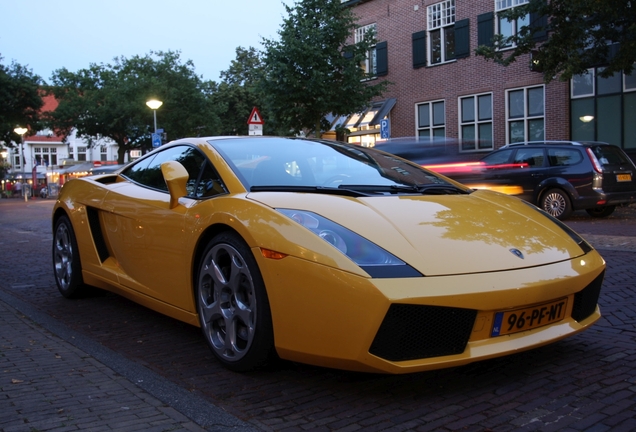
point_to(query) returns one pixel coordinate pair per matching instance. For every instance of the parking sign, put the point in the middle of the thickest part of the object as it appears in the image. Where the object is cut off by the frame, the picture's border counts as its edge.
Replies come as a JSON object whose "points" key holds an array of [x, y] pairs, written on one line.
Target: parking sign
{"points": [[385, 129]]}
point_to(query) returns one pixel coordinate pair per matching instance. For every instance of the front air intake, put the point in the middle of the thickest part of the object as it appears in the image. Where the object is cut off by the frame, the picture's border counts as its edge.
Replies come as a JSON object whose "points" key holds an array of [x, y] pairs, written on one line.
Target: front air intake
{"points": [[410, 332], [585, 300]]}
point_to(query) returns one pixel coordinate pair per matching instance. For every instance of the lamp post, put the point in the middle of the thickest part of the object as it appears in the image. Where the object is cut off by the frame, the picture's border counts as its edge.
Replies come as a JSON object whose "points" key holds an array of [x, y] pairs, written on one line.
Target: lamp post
{"points": [[4, 155], [21, 131], [154, 105]]}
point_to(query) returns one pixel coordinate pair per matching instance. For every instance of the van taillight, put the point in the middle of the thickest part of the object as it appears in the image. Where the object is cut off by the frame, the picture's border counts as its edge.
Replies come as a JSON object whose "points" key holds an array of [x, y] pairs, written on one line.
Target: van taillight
{"points": [[597, 165]]}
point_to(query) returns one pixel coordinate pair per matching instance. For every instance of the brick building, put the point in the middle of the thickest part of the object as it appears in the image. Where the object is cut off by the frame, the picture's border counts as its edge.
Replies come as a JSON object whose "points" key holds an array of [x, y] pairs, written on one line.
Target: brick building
{"points": [[426, 48]]}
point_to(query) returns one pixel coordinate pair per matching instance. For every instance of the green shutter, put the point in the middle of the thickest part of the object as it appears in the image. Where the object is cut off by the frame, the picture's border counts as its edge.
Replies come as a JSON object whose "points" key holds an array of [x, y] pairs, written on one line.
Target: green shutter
{"points": [[382, 58], [462, 39], [485, 28], [419, 49], [540, 23]]}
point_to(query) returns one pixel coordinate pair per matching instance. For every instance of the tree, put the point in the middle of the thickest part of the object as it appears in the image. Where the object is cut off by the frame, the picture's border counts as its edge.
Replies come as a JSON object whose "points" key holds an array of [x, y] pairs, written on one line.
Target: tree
{"points": [[20, 101], [237, 93], [577, 35], [110, 100], [312, 72]]}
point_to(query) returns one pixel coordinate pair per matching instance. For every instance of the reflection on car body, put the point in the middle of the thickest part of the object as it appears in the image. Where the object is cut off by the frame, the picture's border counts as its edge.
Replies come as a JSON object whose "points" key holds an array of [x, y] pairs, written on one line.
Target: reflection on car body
{"points": [[324, 253]]}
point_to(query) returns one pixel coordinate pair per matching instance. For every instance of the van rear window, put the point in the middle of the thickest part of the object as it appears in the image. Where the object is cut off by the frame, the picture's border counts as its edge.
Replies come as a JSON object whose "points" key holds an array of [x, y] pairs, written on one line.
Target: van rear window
{"points": [[610, 155]]}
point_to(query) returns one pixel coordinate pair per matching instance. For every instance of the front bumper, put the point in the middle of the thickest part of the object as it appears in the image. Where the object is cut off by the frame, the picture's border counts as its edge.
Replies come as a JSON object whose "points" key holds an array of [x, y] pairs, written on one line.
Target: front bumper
{"points": [[331, 318]]}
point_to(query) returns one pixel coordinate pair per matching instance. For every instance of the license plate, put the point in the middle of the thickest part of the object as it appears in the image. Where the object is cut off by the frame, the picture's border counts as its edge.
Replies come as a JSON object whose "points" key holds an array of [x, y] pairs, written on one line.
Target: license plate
{"points": [[529, 318], [623, 177]]}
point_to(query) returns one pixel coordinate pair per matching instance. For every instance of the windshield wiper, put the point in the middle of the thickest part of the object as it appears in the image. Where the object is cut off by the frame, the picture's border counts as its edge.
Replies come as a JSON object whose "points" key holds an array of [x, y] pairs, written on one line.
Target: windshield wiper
{"points": [[366, 190], [426, 189], [344, 191]]}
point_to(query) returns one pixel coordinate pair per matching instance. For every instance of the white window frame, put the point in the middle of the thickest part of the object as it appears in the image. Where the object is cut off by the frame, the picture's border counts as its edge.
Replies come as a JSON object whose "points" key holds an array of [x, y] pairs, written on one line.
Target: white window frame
{"points": [[369, 65], [46, 154], [476, 122], [526, 118], [103, 153], [82, 150], [432, 127], [441, 18], [502, 5]]}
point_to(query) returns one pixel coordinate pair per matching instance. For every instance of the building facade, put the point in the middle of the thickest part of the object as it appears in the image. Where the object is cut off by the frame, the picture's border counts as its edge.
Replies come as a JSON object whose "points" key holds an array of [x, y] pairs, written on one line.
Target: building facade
{"points": [[440, 88], [47, 159]]}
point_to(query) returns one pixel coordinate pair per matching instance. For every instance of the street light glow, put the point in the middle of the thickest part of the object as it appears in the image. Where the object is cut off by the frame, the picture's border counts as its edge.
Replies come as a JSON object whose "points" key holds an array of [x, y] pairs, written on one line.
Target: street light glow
{"points": [[20, 130], [154, 104]]}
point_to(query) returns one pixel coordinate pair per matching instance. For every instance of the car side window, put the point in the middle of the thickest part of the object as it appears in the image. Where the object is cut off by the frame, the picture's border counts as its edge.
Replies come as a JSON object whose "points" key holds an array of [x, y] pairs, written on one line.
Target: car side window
{"points": [[532, 157], [496, 158], [564, 157], [210, 183], [148, 172]]}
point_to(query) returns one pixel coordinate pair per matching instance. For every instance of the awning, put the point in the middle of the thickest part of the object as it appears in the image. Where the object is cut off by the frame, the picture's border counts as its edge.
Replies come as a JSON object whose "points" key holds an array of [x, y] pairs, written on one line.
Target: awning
{"points": [[383, 111], [369, 117]]}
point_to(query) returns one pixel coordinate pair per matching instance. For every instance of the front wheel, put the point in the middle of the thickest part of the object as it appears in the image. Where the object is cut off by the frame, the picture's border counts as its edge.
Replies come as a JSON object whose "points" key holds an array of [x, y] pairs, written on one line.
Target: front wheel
{"points": [[232, 305], [601, 212], [556, 203], [66, 261]]}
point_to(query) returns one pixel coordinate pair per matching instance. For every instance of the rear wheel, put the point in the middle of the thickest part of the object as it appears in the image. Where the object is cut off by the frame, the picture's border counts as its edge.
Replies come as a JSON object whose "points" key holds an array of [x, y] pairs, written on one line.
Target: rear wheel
{"points": [[232, 305], [66, 261], [557, 203], [601, 212]]}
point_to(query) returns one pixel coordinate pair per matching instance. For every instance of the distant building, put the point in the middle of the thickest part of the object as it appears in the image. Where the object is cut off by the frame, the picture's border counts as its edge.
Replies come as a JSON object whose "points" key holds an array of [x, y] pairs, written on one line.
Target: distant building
{"points": [[52, 157], [442, 89]]}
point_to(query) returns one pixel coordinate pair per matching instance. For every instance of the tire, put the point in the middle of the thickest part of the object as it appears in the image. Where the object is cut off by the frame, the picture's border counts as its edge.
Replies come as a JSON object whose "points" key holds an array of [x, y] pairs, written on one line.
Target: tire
{"points": [[232, 305], [67, 267], [557, 203], [601, 212]]}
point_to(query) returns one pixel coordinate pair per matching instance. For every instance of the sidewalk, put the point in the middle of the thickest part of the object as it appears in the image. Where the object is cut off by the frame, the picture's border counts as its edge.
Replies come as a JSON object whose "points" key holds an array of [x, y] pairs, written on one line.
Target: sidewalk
{"points": [[49, 384]]}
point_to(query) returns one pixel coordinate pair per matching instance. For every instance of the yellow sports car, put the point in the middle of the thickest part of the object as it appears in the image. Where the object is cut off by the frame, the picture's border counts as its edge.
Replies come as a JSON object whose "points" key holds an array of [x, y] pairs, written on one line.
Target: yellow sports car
{"points": [[325, 253]]}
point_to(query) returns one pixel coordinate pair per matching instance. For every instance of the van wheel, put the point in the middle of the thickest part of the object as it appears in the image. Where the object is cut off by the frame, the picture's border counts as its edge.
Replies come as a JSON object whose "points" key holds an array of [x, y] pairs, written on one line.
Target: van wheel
{"points": [[601, 212], [556, 203]]}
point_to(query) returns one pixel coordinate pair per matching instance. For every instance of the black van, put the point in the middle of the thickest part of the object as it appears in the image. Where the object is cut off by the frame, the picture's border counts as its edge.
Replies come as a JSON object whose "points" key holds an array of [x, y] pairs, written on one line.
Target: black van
{"points": [[562, 176]]}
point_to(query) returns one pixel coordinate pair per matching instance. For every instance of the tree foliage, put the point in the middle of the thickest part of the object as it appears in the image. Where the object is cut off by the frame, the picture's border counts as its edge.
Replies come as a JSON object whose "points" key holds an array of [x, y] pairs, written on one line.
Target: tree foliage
{"points": [[20, 101], [311, 71], [580, 34], [237, 93], [110, 100]]}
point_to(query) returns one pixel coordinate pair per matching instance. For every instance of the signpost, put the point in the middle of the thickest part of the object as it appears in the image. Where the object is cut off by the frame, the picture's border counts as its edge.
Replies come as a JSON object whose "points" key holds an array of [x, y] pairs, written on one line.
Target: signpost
{"points": [[255, 123]]}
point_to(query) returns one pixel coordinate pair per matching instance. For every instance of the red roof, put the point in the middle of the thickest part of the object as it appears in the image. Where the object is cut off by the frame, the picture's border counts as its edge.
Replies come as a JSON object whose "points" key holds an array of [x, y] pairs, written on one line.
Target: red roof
{"points": [[50, 104]]}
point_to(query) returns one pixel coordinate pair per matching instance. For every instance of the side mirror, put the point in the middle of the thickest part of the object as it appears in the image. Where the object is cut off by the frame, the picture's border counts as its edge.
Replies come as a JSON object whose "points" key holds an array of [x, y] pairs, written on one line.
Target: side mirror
{"points": [[176, 178]]}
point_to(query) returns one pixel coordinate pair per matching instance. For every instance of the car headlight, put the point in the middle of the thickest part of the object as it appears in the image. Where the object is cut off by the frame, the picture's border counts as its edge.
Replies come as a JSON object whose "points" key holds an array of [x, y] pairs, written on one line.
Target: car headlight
{"points": [[367, 255]]}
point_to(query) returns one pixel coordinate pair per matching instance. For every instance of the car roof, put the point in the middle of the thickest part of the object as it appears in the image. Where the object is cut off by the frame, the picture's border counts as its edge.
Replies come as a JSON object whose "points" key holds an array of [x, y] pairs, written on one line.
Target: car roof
{"points": [[556, 142]]}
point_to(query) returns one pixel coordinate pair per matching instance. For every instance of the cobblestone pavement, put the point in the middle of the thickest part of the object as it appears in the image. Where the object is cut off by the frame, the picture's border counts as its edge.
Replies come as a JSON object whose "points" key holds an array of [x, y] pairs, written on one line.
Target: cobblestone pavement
{"points": [[584, 383]]}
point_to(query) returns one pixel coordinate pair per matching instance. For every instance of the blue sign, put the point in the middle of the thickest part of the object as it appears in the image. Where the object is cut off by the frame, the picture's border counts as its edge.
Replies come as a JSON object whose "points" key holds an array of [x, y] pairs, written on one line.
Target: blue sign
{"points": [[156, 140], [385, 129]]}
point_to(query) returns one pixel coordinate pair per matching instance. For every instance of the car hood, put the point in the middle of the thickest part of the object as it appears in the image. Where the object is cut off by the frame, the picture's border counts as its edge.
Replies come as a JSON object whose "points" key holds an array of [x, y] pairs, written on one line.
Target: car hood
{"points": [[443, 235]]}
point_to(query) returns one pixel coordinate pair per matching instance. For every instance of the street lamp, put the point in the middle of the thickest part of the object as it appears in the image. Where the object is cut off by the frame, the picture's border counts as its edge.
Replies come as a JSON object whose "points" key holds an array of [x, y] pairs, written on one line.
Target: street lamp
{"points": [[21, 131], [154, 105]]}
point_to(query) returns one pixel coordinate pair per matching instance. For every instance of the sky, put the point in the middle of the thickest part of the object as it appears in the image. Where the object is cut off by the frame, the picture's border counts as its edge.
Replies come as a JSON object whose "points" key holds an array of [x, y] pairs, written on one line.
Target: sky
{"points": [[46, 35]]}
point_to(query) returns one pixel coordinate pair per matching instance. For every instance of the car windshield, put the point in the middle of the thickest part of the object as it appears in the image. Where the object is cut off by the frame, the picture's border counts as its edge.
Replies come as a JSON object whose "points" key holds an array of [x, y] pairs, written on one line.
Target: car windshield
{"points": [[269, 163]]}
